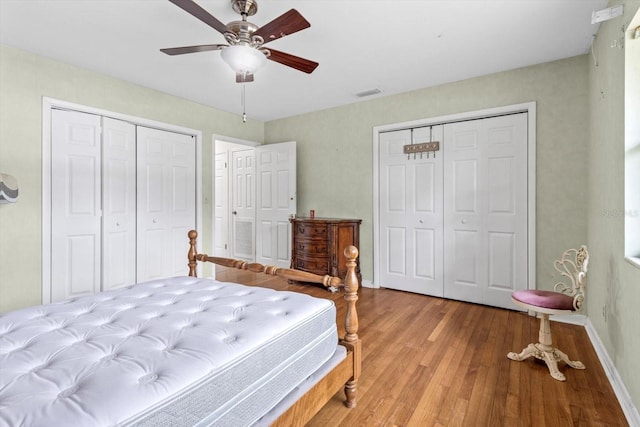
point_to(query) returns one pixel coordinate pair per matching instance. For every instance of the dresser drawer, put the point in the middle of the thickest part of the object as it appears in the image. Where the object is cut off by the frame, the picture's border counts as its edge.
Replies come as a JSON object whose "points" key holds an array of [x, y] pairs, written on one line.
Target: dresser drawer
{"points": [[316, 265], [311, 231], [311, 247]]}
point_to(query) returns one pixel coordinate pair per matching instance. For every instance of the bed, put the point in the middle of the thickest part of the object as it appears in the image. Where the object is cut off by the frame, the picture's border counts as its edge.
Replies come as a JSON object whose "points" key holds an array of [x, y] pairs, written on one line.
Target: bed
{"points": [[181, 351]]}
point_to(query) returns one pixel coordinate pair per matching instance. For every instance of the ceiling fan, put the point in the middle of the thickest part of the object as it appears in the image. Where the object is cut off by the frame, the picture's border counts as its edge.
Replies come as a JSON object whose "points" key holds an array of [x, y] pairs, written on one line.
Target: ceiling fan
{"points": [[245, 52]]}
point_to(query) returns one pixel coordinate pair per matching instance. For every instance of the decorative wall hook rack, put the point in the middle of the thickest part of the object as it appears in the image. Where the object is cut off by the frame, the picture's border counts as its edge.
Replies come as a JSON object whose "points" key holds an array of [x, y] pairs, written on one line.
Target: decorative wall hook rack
{"points": [[424, 147]]}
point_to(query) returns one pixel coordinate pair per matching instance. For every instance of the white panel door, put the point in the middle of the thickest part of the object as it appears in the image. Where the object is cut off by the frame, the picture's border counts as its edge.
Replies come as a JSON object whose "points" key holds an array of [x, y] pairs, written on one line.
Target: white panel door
{"points": [[485, 209], [221, 206], [275, 202], [166, 201], [243, 204], [411, 213], [75, 204], [118, 203]]}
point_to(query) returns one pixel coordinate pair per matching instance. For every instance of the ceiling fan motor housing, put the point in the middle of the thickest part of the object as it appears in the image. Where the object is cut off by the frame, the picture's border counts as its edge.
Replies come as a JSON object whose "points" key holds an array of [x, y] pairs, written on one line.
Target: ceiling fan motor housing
{"points": [[245, 7]]}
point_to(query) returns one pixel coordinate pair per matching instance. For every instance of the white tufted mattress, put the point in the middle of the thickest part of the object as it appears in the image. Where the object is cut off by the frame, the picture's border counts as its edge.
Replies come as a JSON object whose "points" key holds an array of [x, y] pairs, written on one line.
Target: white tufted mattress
{"points": [[180, 351]]}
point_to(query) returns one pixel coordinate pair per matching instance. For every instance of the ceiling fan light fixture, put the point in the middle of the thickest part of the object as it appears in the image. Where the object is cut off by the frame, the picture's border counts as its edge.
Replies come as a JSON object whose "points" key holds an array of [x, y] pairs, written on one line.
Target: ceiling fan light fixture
{"points": [[243, 59]]}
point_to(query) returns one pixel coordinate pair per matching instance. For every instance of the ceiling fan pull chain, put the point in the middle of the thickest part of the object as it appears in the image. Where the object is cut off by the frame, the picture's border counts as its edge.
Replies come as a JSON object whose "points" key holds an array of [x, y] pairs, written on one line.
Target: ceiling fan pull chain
{"points": [[244, 113]]}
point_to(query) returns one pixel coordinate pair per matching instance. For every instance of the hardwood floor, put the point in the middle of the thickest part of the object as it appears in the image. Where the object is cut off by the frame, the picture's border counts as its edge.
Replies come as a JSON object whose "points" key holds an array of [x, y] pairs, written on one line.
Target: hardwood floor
{"points": [[435, 362]]}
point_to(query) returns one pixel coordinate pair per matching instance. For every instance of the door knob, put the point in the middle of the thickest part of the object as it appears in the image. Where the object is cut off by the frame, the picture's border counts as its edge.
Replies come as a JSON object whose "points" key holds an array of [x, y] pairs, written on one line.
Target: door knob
{"points": [[235, 212], [464, 221]]}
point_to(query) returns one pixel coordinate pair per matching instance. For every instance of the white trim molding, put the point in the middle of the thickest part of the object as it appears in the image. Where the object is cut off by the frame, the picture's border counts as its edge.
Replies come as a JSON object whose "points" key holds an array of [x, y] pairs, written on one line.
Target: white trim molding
{"points": [[624, 398], [620, 390]]}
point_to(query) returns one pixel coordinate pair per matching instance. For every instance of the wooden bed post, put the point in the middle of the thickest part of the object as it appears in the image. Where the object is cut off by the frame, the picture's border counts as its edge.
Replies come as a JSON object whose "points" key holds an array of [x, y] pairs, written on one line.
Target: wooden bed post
{"points": [[351, 323], [193, 235]]}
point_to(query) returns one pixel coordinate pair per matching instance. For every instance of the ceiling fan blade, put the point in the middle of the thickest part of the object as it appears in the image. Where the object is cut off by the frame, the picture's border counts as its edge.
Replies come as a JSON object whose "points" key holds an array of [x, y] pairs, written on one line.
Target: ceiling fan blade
{"points": [[293, 61], [194, 9], [285, 24], [192, 49]]}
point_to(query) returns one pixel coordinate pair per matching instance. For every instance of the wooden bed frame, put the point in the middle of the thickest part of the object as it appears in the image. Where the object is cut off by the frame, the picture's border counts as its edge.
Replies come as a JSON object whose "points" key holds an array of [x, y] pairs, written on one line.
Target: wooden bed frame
{"points": [[346, 373]]}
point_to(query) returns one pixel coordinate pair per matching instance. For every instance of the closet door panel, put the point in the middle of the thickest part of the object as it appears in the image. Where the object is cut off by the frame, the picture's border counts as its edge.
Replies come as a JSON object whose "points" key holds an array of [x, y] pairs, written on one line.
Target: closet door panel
{"points": [[507, 208], [486, 209], [119, 203], [502, 261], [166, 201], [425, 247], [411, 213], [75, 204], [396, 260]]}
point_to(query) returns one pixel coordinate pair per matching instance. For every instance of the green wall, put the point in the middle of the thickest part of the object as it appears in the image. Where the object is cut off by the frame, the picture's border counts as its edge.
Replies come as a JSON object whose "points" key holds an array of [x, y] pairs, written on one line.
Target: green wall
{"points": [[336, 164], [613, 300], [24, 80]]}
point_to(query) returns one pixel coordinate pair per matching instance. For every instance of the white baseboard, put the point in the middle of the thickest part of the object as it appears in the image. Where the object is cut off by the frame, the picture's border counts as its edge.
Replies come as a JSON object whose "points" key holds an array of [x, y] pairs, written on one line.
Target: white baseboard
{"points": [[367, 284], [629, 409]]}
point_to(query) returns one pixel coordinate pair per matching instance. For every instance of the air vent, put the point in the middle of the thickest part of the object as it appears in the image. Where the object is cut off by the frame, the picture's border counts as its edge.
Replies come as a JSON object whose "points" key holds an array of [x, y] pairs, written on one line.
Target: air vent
{"points": [[368, 92]]}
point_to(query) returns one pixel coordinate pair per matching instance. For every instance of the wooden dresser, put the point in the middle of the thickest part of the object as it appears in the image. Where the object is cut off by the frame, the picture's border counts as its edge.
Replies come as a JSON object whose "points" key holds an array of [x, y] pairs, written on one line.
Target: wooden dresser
{"points": [[318, 245]]}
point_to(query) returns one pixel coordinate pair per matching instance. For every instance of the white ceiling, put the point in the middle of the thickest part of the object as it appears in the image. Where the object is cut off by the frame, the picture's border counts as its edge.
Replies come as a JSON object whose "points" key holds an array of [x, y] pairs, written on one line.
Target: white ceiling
{"points": [[395, 46]]}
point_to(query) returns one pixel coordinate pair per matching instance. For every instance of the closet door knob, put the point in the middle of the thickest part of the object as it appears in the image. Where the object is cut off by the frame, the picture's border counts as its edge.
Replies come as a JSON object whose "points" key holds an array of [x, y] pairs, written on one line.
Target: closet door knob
{"points": [[464, 221]]}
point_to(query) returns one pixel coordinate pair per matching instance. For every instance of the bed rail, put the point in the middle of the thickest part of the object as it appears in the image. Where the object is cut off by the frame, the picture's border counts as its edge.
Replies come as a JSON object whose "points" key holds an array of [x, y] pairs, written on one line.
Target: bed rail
{"points": [[330, 282]]}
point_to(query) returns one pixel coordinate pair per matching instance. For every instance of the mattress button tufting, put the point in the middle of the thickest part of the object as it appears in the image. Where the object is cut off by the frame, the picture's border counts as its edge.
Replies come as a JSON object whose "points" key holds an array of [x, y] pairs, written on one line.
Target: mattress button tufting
{"points": [[146, 379], [230, 340], [68, 392], [109, 357]]}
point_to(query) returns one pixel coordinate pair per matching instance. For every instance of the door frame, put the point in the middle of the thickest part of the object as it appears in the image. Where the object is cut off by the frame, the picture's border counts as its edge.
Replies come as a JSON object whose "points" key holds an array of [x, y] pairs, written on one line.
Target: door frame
{"points": [[49, 104], [527, 107]]}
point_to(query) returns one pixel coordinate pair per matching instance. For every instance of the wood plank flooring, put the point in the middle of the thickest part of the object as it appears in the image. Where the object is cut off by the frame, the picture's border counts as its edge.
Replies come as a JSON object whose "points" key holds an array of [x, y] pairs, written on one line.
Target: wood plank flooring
{"points": [[435, 362]]}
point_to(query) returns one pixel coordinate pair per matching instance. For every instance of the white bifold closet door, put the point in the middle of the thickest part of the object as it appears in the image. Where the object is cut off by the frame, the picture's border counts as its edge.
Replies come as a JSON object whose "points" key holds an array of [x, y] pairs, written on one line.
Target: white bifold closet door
{"points": [[166, 201], [456, 225], [485, 209], [76, 204], [123, 199], [119, 203], [411, 213]]}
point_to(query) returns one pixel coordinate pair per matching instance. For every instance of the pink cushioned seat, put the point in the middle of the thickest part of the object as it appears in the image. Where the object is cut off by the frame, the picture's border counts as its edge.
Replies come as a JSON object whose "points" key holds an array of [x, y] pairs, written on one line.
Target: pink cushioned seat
{"points": [[545, 299], [565, 299]]}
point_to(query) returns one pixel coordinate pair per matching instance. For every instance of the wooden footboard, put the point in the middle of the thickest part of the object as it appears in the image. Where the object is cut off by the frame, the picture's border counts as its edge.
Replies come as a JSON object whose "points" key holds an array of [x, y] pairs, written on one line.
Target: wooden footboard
{"points": [[346, 373]]}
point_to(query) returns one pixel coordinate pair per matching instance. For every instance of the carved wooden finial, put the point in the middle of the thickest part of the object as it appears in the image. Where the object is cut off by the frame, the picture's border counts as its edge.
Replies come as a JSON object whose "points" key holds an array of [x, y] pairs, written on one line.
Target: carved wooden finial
{"points": [[351, 253]]}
